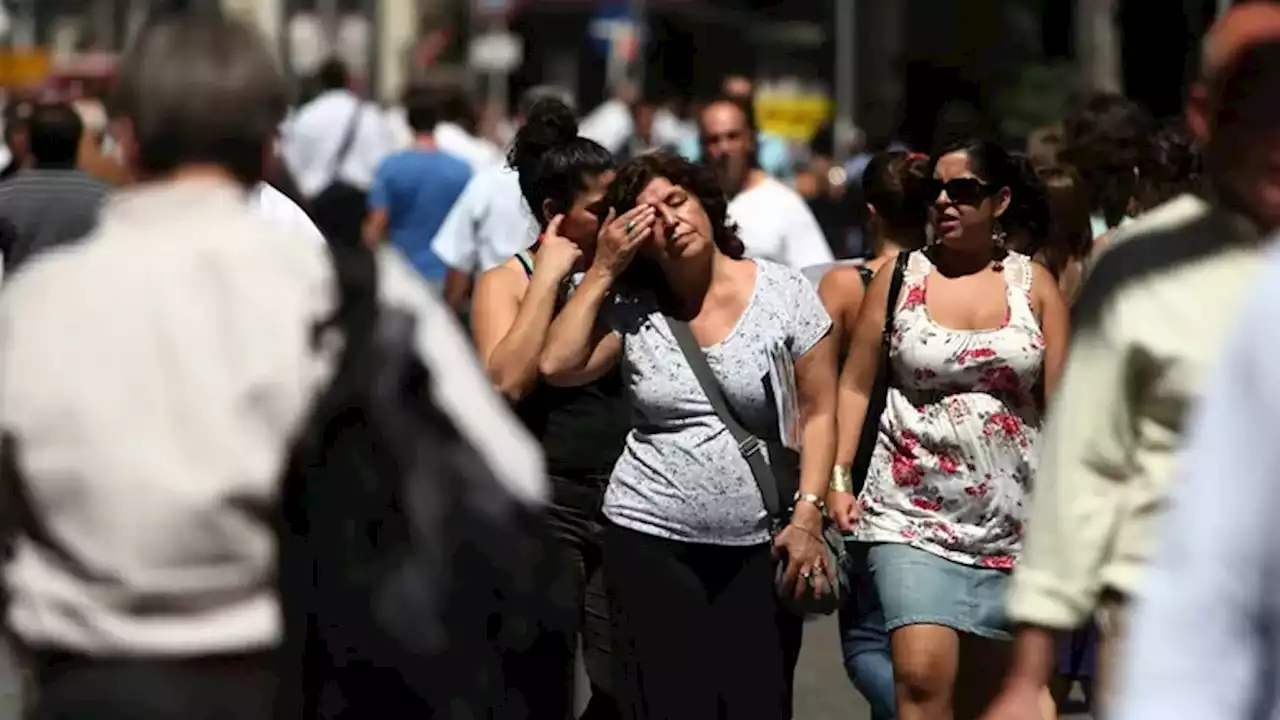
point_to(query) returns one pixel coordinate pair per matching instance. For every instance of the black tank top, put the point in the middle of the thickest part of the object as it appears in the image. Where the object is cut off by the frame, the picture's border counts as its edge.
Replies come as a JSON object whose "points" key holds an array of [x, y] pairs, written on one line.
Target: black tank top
{"points": [[581, 429]]}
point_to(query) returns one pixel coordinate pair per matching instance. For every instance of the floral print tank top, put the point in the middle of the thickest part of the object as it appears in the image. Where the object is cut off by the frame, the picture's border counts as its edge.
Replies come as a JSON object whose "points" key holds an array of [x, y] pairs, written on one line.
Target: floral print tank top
{"points": [[955, 454]]}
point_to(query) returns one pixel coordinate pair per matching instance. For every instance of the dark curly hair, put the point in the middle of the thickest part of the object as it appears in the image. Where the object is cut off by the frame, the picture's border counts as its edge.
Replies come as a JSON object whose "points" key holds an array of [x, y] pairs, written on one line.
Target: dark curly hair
{"points": [[1172, 167], [1105, 138], [700, 180]]}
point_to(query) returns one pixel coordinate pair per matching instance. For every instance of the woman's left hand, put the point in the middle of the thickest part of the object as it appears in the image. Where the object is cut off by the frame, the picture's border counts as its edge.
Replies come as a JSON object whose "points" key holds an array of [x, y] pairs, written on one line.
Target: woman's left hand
{"points": [[800, 542]]}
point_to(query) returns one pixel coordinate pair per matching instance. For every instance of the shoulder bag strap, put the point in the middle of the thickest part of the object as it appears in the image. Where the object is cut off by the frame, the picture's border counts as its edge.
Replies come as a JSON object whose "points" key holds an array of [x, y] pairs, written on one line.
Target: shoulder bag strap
{"points": [[348, 141], [751, 447], [879, 390]]}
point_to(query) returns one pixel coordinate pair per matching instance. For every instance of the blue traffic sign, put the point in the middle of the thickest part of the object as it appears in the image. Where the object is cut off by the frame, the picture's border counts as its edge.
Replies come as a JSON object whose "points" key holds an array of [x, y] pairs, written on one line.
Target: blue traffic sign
{"points": [[612, 19]]}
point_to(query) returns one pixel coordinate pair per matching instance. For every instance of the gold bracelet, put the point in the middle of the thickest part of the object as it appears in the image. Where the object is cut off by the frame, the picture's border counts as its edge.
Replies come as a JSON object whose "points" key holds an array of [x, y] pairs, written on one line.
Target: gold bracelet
{"points": [[841, 479]]}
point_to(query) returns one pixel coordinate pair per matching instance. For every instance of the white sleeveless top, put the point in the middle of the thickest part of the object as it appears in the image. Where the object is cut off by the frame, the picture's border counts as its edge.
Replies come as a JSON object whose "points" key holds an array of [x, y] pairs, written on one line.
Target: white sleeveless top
{"points": [[956, 449]]}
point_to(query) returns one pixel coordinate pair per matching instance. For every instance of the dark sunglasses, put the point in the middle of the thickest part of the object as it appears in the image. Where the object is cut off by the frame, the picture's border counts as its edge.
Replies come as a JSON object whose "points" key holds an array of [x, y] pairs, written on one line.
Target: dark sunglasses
{"points": [[961, 191]]}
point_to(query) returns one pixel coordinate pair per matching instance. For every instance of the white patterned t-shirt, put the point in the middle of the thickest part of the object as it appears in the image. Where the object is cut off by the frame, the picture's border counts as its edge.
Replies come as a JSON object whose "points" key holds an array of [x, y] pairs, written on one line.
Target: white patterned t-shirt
{"points": [[681, 475]]}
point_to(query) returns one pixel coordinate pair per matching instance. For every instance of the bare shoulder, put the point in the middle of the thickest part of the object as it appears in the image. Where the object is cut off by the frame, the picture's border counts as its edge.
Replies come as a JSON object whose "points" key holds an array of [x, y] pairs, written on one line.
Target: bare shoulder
{"points": [[510, 276], [841, 281]]}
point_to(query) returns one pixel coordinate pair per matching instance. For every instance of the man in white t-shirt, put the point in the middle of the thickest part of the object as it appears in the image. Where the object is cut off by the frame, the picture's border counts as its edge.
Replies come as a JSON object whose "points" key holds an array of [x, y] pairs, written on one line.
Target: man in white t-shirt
{"points": [[773, 220]]}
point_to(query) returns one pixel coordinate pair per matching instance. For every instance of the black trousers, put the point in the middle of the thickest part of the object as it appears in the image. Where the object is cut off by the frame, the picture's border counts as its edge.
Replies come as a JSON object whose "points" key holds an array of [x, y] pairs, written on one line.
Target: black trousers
{"points": [[699, 629], [79, 688], [540, 679]]}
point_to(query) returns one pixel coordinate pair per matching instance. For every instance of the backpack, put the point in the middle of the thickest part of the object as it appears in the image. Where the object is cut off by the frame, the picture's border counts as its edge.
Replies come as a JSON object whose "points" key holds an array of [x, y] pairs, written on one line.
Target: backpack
{"points": [[405, 567]]}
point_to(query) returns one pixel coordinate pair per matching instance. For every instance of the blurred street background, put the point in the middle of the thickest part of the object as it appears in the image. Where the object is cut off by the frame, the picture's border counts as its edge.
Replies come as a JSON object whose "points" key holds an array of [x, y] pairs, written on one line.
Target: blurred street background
{"points": [[862, 69]]}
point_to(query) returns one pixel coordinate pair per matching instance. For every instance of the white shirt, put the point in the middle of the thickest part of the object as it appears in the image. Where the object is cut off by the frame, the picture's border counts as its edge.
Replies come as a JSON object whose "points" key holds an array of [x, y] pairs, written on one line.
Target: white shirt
{"points": [[311, 139], [480, 154], [489, 223], [1204, 639], [283, 212], [775, 224], [154, 409]]}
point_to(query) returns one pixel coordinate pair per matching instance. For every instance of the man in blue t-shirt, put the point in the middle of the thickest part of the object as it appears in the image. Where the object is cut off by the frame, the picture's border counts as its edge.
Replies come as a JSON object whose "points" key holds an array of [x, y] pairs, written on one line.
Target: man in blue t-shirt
{"points": [[413, 190]]}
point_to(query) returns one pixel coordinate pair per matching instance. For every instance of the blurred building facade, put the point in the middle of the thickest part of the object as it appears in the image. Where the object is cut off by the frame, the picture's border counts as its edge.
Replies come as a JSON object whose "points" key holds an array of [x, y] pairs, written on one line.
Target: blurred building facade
{"points": [[1007, 63]]}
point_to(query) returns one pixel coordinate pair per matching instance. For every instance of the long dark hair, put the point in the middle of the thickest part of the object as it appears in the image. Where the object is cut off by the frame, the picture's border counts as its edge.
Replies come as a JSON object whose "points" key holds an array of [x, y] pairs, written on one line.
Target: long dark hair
{"points": [[553, 162], [635, 176]]}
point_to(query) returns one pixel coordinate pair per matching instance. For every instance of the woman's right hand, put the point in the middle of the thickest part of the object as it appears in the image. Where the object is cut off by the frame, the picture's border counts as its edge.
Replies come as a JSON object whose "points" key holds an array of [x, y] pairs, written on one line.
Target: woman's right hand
{"points": [[557, 255], [620, 237], [843, 509]]}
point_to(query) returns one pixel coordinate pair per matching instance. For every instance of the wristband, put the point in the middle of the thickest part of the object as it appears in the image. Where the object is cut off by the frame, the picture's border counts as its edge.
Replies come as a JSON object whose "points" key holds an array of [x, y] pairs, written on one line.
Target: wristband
{"points": [[841, 479]]}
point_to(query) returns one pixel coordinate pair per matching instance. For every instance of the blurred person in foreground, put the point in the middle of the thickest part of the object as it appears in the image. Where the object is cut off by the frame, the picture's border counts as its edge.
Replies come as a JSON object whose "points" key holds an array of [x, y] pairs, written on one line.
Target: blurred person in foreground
{"points": [[17, 138], [775, 223], [1203, 642], [1150, 319], [53, 203], [152, 382]]}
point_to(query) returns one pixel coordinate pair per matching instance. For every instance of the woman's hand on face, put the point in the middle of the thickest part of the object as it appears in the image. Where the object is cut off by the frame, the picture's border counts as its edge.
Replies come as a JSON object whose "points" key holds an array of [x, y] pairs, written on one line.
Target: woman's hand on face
{"points": [[620, 237], [843, 509], [557, 254], [806, 557]]}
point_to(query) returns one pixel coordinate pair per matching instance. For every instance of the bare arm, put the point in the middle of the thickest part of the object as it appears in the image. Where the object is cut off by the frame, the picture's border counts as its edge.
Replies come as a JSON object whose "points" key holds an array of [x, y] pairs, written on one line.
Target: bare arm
{"points": [[1054, 325], [859, 373], [375, 227], [457, 289], [579, 348], [816, 390], [841, 291], [509, 327]]}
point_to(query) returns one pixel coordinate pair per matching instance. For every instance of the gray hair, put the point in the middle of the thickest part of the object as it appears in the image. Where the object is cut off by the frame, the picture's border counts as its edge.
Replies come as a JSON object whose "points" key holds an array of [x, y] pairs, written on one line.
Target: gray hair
{"points": [[201, 89]]}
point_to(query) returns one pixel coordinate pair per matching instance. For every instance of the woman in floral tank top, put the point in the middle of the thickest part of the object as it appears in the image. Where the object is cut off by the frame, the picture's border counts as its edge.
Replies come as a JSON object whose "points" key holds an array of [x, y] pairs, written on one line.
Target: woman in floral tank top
{"points": [[977, 338]]}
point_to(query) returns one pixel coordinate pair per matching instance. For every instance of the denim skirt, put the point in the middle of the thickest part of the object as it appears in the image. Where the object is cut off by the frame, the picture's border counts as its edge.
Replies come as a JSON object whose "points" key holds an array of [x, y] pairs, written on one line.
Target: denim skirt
{"points": [[917, 587]]}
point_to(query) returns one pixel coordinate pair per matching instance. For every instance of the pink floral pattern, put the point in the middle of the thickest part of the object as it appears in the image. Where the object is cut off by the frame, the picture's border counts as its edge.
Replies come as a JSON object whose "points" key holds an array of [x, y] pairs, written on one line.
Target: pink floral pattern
{"points": [[956, 448]]}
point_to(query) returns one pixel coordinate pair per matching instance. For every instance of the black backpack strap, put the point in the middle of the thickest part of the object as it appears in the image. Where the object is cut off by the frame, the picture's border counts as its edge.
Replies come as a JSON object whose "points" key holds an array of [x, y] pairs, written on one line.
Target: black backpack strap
{"points": [[348, 141], [880, 390]]}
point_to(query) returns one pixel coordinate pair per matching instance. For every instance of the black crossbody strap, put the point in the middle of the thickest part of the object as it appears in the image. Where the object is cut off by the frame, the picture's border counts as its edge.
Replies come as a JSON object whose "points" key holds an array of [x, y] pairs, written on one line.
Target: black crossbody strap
{"points": [[880, 389], [751, 447], [348, 140]]}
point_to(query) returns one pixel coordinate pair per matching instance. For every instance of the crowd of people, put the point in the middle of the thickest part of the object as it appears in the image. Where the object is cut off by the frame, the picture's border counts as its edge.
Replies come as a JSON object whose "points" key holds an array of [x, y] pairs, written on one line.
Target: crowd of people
{"points": [[955, 417]]}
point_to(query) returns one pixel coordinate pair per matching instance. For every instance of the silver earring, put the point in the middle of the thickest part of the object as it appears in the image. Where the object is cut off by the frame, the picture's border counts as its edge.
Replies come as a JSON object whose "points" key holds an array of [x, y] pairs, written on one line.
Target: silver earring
{"points": [[998, 236]]}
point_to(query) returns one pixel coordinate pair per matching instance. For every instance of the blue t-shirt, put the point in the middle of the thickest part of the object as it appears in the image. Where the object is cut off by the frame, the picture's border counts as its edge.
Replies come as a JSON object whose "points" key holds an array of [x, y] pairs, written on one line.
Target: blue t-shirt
{"points": [[417, 188]]}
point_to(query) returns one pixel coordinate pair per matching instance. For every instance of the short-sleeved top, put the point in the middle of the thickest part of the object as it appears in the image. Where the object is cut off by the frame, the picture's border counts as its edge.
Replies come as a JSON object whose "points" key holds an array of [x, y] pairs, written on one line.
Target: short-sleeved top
{"points": [[681, 475], [417, 188]]}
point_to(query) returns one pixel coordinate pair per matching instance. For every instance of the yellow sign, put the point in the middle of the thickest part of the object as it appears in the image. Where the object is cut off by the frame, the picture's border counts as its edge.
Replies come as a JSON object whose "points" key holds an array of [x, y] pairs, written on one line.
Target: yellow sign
{"points": [[792, 116], [23, 68]]}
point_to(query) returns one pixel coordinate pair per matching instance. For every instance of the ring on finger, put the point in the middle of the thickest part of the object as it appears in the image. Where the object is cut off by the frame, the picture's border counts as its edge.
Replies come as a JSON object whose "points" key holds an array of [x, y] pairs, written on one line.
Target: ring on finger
{"points": [[631, 226], [806, 574]]}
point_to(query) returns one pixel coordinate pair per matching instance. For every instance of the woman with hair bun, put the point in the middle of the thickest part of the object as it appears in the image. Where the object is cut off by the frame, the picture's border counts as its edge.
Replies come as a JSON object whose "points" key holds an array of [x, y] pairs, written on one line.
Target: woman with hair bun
{"points": [[581, 425], [894, 185], [694, 557]]}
